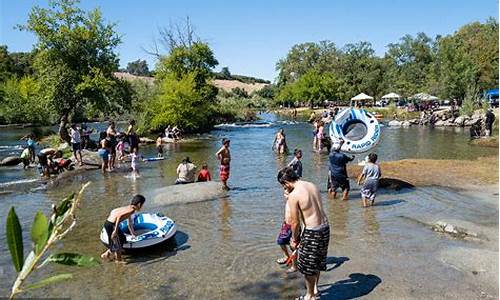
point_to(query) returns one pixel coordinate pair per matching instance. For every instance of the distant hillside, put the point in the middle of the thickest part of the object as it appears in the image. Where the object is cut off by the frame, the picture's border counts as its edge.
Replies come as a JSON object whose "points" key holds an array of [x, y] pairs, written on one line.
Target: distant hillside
{"points": [[224, 84], [228, 85]]}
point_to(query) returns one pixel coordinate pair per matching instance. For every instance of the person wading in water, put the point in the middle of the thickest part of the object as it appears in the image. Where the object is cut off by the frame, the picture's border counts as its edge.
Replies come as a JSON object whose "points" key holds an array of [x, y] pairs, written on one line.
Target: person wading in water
{"points": [[305, 206]]}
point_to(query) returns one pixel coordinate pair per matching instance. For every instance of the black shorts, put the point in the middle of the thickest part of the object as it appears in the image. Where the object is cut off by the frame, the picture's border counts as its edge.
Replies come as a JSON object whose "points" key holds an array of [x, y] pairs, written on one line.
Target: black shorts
{"points": [[341, 182], [76, 146], [133, 140], [42, 159], [313, 250], [117, 243]]}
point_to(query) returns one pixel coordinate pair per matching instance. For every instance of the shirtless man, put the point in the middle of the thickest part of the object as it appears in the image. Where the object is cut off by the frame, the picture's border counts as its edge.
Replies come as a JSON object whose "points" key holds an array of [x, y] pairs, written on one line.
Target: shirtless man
{"points": [[225, 159], [116, 237], [305, 206]]}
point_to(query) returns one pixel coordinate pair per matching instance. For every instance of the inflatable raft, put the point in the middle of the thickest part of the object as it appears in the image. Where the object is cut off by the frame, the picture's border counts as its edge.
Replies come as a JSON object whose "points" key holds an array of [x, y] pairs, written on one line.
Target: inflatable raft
{"points": [[359, 129], [150, 230]]}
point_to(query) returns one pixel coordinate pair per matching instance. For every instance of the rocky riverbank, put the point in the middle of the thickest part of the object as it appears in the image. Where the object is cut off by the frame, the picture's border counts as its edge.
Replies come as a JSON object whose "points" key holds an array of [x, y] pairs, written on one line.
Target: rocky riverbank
{"points": [[444, 117]]}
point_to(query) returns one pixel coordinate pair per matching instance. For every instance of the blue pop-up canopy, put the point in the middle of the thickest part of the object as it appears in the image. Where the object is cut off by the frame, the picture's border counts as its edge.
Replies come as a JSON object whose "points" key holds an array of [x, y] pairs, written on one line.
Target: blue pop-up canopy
{"points": [[493, 92]]}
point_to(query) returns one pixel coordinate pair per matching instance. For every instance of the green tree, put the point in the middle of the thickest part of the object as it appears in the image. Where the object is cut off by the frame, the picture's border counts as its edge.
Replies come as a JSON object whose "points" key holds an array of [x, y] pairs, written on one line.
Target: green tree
{"points": [[313, 87], [180, 102], [224, 72], [138, 68], [22, 102], [239, 92], [185, 96], [412, 61], [76, 60], [6, 64]]}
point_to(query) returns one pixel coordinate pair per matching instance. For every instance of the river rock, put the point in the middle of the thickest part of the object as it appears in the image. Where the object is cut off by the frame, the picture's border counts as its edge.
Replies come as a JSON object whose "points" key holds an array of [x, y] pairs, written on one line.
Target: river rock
{"points": [[186, 193], [90, 158], [439, 123], [406, 124], [10, 161], [460, 121], [456, 231], [394, 123], [145, 140]]}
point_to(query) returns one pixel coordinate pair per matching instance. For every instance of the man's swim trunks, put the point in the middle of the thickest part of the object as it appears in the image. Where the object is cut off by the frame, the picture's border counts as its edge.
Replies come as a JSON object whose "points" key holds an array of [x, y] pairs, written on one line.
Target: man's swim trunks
{"points": [[224, 172], [313, 249]]}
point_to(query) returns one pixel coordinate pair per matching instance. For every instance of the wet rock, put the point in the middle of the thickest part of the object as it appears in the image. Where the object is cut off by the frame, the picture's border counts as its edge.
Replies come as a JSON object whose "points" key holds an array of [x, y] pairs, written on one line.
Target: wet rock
{"points": [[10, 161], [90, 158], [394, 123], [453, 230], [394, 184], [406, 124], [145, 140], [460, 121], [439, 123], [186, 193]]}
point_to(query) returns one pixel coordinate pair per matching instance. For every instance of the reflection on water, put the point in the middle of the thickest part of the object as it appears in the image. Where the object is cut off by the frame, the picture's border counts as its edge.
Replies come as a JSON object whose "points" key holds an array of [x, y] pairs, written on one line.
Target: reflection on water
{"points": [[226, 247]]}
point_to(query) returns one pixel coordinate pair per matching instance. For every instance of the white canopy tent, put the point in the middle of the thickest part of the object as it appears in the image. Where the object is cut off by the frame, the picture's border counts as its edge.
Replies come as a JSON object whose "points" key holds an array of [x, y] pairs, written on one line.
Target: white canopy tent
{"points": [[391, 96], [360, 100]]}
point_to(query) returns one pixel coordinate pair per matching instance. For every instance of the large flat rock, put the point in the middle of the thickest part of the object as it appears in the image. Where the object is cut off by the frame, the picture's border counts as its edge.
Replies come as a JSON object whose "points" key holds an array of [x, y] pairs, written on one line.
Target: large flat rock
{"points": [[186, 193]]}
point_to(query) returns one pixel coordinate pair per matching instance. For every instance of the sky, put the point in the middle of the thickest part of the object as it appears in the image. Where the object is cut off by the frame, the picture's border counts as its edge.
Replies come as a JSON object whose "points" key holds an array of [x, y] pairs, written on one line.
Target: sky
{"points": [[249, 37]]}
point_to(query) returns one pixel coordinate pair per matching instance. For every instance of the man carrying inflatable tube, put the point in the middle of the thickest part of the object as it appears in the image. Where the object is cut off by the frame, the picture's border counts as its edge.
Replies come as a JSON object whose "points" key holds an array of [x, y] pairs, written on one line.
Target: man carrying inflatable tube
{"points": [[338, 171]]}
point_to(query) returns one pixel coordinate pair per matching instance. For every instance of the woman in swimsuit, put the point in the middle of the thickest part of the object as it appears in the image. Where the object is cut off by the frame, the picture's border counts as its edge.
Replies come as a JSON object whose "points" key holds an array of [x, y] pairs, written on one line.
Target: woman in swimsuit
{"points": [[279, 143]]}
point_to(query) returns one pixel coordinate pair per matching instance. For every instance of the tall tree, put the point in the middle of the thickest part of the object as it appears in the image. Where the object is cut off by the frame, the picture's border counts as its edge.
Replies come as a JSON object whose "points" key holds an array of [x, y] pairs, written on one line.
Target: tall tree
{"points": [[138, 68], [76, 59], [185, 94]]}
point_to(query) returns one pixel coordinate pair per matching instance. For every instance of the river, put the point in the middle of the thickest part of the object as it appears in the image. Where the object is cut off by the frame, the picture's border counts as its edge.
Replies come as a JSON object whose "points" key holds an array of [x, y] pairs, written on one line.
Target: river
{"points": [[226, 248]]}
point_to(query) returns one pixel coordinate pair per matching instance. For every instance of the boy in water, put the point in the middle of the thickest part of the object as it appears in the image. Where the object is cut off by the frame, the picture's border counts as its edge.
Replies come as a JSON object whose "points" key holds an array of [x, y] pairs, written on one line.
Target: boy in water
{"points": [[284, 237], [371, 174], [225, 159], [296, 164], [133, 163], [116, 237]]}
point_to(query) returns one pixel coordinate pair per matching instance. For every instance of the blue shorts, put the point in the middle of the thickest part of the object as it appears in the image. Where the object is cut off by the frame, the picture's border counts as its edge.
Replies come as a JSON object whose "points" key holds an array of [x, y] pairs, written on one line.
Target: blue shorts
{"points": [[103, 153]]}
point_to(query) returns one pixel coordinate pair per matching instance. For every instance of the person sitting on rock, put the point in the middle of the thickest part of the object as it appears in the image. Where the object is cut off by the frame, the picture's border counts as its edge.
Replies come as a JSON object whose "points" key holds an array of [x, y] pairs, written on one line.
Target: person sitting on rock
{"points": [[186, 172]]}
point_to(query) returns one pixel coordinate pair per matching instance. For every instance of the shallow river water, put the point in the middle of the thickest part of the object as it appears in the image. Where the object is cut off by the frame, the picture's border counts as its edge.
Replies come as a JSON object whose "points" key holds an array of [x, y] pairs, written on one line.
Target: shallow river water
{"points": [[225, 248]]}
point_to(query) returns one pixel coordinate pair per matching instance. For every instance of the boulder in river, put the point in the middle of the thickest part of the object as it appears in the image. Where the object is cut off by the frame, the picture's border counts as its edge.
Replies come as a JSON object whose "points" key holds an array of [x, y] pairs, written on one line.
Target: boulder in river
{"points": [[394, 123], [145, 140], [10, 161], [439, 123], [460, 120], [186, 193], [406, 124]]}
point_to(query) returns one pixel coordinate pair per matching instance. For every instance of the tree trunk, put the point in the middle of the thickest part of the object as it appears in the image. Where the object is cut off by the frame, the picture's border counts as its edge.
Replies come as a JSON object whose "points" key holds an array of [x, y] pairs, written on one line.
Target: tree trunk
{"points": [[63, 132]]}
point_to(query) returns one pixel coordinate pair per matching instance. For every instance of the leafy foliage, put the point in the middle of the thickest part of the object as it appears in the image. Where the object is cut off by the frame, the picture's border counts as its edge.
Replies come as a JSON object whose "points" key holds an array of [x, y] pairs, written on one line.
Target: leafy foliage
{"points": [[22, 102], [44, 234], [75, 58], [15, 239], [138, 68], [444, 66]]}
